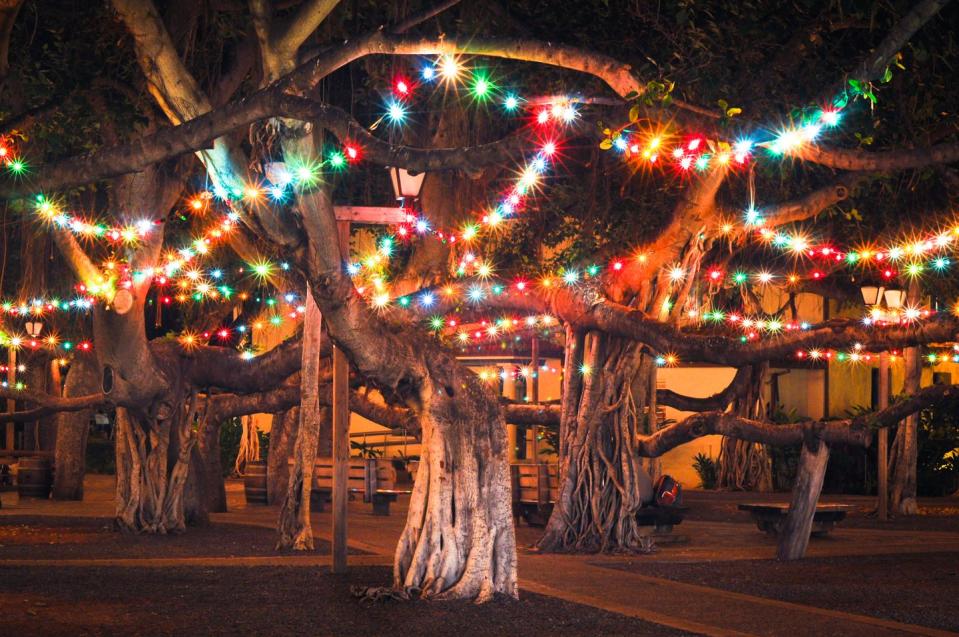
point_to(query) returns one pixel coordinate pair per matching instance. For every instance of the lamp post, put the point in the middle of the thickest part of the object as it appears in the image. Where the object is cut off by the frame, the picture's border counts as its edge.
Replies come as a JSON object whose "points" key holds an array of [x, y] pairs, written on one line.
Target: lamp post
{"points": [[873, 298]]}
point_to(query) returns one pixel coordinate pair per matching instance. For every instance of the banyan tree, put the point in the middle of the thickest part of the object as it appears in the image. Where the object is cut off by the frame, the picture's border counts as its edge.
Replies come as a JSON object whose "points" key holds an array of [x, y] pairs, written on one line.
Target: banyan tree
{"points": [[601, 192]]}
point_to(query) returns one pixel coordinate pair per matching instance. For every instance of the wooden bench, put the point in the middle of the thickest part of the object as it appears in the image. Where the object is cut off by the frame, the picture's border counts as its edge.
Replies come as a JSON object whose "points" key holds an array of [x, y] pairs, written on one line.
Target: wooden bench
{"points": [[771, 517], [536, 487], [375, 478]]}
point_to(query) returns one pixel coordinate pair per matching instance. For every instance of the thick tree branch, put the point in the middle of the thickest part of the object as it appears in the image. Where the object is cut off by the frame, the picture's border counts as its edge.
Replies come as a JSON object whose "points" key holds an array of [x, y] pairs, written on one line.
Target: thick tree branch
{"points": [[618, 76], [290, 34], [422, 16], [718, 401], [199, 133], [850, 431], [880, 161], [693, 214], [811, 204], [523, 414], [729, 350], [223, 406], [222, 367], [76, 257], [874, 65], [47, 404]]}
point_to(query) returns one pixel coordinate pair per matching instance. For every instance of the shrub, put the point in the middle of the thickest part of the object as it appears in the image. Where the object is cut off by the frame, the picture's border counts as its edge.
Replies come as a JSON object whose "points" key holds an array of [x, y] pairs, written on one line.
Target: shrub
{"points": [[707, 471]]}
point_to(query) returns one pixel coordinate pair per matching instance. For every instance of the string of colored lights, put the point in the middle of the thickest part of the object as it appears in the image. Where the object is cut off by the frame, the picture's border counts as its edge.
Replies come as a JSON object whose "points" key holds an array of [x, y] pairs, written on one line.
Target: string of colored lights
{"points": [[687, 153]]}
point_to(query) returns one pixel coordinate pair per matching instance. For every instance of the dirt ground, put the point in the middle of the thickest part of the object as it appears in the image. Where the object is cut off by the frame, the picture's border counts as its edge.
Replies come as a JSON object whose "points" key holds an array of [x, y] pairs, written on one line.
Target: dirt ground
{"points": [[919, 588], [30, 537], [268, 601]]}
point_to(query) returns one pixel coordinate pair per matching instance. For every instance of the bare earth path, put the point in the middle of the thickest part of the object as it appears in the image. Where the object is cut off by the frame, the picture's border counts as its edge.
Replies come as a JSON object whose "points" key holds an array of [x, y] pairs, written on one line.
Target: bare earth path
{"points": [[647, 588]]}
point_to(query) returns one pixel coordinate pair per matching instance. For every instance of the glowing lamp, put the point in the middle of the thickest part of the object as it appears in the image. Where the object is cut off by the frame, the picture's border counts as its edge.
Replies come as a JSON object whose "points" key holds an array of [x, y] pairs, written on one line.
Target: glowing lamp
{"points": [[894, 298], [871, 295], [405, 184]]}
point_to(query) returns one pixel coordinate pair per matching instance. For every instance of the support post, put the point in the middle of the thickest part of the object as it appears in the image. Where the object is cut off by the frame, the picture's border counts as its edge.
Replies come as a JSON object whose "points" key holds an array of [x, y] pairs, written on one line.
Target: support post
{"points": [[794, 537], [882, 464], [11, 404], [532, 392], [341, 433]]}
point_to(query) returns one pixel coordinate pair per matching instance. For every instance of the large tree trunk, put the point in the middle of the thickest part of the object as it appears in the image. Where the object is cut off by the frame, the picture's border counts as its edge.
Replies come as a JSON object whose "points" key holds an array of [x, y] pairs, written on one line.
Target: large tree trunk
{"points": [[151, 481], [155, 441], [282, 437], [72, 430], [603, 481], [294, 528], [458, 541]]}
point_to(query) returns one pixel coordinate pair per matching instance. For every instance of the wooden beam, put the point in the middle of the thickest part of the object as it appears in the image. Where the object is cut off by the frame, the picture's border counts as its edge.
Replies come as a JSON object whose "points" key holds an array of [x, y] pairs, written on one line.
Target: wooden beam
{"points": [[370, 214], [341, 432]]}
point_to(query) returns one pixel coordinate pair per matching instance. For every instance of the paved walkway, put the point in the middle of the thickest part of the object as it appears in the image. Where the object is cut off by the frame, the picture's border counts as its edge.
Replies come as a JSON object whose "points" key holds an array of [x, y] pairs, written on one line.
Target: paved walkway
{"points": [[579, 579]]}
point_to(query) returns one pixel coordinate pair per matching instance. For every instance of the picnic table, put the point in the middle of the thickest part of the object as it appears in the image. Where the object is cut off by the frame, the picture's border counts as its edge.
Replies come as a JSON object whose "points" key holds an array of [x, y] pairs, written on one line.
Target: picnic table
{"points": [[771, 517]]}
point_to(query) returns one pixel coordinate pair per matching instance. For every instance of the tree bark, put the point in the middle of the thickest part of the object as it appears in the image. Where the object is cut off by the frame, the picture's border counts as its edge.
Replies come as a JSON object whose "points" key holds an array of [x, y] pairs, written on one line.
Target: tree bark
{"points": [[282, 437], [72, 430], [211, 465], [293, 529], [603, 481], [794, 537], [458, 541], [745, 465]]}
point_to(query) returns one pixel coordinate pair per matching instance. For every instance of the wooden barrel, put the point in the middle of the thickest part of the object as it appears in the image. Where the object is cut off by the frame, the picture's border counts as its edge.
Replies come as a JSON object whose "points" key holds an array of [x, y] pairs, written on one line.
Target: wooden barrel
{"points": [[34, 478], [254, 482]]}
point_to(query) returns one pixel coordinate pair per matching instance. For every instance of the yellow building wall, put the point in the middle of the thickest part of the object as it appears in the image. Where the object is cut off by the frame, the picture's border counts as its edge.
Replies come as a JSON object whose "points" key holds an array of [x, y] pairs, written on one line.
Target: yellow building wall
{"points": [[802, 391], [698, 382], [850, 384]]}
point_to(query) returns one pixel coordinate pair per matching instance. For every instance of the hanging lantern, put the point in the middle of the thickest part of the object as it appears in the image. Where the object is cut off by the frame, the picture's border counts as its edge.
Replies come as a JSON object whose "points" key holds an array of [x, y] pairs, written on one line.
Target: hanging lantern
{"points": [[405, 184]]}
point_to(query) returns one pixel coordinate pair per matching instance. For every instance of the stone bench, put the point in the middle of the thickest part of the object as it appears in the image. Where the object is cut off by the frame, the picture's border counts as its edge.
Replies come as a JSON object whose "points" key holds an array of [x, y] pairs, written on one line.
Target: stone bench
{"points": [[770, 518]]}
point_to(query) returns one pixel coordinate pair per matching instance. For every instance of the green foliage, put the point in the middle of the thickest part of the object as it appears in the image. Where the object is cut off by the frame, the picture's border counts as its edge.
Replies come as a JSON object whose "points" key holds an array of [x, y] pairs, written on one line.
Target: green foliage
{"points": [[937, 470], [365, 450], [707, 470], [548, 440], [231, 432]]}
